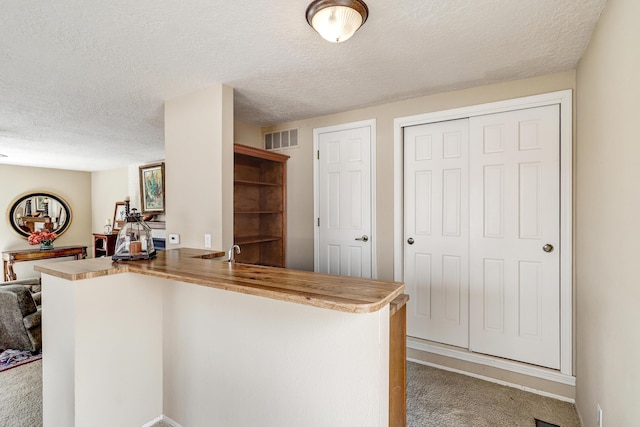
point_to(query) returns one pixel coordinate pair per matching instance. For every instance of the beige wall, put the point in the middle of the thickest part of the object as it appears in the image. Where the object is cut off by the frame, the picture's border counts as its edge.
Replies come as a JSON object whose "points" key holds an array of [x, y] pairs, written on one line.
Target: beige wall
{"points": [[199, 167], [608, 206], [107, 188], [111, 186], [300, 165], [247, 134], [72, 186]]}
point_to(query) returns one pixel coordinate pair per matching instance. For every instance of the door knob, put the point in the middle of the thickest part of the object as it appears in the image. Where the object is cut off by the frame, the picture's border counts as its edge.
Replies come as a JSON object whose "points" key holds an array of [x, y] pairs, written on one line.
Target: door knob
{"points": [[548, 248], [410, 240], [364, 238]]}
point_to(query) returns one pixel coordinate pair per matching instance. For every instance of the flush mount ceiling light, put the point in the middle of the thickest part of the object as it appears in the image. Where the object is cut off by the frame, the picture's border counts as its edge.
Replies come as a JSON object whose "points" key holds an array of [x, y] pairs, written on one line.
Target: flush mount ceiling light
{"points": [[337, 20]]}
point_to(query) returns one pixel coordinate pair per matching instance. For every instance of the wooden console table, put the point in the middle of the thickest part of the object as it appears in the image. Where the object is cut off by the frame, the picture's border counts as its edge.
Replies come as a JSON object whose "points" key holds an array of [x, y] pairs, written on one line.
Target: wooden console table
{"points": [[10, 258]]}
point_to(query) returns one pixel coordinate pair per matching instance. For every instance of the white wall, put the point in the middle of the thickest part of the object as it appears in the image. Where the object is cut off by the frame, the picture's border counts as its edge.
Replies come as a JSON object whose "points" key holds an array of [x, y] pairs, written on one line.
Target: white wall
{"points": [[58, 339], [103, 362], [300, 165], [207, 357], [232, 359], [607, 231], [72, 186], [199, 167]]}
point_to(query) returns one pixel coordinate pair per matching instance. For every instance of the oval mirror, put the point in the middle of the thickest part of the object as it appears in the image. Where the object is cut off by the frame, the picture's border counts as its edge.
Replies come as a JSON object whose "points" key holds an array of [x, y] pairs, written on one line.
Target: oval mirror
{"points": [[39, 211]]}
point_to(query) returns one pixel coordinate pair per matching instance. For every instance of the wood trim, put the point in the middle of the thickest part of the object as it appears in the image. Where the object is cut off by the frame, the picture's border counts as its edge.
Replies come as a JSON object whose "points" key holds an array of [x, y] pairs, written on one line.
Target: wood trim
{"points": [[104, 244], [258, 152], [398, 361]]}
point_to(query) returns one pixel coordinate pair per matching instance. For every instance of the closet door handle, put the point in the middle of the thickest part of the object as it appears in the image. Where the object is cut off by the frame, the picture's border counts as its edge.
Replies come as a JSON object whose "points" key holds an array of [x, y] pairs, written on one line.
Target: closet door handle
{"points": [[548, 248], [364, 238], [410, 240]]}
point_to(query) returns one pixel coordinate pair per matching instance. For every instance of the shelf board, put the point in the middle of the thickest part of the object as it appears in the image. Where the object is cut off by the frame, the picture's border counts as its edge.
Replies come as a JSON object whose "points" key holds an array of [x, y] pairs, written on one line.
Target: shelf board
{"points": [[245, 240], [253, 152], [257, 212], [258, 183]]}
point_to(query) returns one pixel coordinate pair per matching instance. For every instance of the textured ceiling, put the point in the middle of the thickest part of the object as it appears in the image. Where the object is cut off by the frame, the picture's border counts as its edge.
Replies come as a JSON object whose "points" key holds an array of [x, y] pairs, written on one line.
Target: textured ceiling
{"points": [[83, 82]]}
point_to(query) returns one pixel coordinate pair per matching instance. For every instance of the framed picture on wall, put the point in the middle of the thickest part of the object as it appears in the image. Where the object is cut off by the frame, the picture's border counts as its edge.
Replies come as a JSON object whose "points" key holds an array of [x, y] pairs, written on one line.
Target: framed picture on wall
{"points": [[152, 188], [119, 216]]}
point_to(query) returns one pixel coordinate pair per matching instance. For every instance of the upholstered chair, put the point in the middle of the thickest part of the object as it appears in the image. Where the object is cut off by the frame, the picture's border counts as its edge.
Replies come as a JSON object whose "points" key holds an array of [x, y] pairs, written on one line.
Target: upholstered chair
{"points": [[20, 319], [33, 284]]}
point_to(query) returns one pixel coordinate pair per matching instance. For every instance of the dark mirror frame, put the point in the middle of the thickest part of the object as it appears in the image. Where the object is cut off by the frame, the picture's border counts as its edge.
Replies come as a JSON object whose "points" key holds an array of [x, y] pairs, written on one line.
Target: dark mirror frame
{"points": [[18, 208]]}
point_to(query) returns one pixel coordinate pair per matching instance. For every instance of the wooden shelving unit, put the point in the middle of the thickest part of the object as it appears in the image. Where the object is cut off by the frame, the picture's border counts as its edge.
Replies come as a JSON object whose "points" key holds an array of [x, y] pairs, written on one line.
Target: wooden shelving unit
{"points": [[103, 244], [260, 205]]}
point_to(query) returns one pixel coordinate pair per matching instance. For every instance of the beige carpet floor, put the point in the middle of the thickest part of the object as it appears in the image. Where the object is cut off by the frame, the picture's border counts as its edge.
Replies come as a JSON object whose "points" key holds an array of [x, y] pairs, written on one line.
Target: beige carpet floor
{"points": [[21, 396], [435, 398], [438, 398]]}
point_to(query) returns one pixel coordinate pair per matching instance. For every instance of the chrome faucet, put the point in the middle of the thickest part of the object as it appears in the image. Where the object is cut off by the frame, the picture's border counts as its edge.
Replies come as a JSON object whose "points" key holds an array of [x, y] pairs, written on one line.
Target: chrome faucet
{"points": [[231, 254]]}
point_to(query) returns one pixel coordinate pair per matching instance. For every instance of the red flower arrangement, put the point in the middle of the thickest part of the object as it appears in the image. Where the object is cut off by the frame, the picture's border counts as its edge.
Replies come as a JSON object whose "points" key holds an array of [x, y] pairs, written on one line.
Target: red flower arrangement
{"points": [[44, 236]]}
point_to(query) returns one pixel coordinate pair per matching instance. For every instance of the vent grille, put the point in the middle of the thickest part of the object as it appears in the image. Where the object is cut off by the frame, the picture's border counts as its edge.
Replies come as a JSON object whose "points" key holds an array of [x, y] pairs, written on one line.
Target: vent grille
{"points": [[281, 140]]}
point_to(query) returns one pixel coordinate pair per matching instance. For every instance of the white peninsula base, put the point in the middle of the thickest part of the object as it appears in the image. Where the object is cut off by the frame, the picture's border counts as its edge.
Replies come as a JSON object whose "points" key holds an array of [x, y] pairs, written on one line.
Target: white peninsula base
{"points": [[124, 349]]}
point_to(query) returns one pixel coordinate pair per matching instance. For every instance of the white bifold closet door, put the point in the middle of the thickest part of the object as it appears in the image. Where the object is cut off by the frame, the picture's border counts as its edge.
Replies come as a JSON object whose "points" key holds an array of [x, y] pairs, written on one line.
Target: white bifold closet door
{"points": [[436, 249], [483, 267], [515, 235]]}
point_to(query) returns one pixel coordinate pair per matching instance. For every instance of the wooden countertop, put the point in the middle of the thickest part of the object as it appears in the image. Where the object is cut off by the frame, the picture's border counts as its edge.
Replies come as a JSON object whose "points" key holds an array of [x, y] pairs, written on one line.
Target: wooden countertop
{"points": [[197, 266]]}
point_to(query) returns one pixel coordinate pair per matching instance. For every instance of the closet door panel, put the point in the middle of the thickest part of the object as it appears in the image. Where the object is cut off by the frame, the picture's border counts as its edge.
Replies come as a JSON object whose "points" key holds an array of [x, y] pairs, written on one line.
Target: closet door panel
{"points": [[437, 222], [515, 212]]}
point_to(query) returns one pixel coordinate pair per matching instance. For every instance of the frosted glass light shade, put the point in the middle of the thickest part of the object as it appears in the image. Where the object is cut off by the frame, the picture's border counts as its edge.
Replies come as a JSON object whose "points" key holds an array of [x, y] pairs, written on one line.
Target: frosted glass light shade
{"points": [[337, 20]]}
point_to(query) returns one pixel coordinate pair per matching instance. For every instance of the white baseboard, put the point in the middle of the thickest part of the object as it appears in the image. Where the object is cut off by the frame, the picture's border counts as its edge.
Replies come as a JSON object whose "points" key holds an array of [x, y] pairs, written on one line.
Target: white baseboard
{"points": [[493, 380], [164, 418], [153, 421], [481, 359], [171, 422]]}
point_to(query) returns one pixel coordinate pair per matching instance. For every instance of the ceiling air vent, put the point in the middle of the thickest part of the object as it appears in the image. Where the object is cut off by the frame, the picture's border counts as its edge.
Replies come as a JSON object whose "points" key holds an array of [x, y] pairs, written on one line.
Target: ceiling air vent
{"points": [[281, 140]]}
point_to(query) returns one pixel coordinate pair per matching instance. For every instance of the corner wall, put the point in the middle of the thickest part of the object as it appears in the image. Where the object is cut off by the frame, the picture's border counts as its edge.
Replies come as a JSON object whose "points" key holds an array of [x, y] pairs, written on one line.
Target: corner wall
{"points": [[300, 166], [607, 231], [199, 167]]}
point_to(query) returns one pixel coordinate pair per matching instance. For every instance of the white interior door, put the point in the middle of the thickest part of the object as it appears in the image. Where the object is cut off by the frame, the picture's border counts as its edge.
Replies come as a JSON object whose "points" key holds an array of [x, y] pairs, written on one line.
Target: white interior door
{"points": [[344, 239], [436, 165], [515, 235]]}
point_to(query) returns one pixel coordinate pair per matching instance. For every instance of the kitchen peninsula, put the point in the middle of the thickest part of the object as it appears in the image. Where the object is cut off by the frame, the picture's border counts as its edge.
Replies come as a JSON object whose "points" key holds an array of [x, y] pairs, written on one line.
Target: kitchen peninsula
{"points": [[205, 342]]}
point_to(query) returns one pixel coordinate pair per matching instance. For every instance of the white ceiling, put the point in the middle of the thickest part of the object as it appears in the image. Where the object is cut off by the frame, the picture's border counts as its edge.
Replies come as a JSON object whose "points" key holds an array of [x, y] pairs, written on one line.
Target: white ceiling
{"points": [[83, 82]]}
